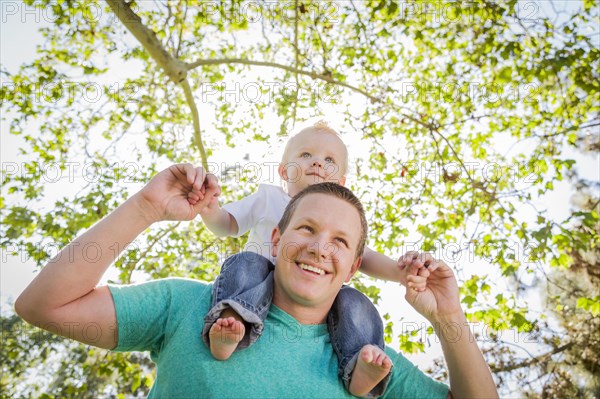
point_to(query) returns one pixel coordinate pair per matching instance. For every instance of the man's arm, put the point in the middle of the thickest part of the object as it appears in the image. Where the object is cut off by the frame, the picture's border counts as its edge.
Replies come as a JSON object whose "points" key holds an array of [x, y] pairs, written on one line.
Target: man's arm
{"points": [[470, 376], [64, 297]]}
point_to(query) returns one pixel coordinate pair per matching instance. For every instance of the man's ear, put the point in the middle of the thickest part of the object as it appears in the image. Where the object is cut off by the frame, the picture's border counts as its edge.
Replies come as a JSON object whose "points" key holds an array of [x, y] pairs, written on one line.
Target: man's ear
{"points": [[353, 269], [275, 237], [342, 181], [282, 172]]}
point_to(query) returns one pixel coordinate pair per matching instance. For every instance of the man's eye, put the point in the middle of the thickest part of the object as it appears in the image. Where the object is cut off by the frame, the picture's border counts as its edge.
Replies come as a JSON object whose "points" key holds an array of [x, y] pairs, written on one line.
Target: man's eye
{"points": [[329, 160], [307, 228], [342, 241], [305, 155]]}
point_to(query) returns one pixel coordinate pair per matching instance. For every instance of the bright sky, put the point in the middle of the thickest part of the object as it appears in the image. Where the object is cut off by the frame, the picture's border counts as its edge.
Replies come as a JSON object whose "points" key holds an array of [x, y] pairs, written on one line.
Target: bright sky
{"points": [[18, 39]]}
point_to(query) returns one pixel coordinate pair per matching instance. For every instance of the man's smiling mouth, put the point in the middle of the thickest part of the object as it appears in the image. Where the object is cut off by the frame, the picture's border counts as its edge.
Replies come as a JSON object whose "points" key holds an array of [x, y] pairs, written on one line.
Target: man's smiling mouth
{"points": [[310, 268]]}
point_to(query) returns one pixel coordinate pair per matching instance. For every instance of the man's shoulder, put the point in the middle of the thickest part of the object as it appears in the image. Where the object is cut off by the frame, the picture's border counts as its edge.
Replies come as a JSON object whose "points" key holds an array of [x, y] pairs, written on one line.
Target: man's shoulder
{"points": [[398, 359], [149, 313], [394, 355], [184, 282], [409, 381], [179, 282], [176, 288], [185, 287]]}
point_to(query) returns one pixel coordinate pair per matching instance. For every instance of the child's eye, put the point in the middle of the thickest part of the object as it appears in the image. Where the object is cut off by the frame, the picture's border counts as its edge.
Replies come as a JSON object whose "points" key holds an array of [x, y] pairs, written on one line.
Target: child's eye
{"points": [[305, 155], [329, 160]]}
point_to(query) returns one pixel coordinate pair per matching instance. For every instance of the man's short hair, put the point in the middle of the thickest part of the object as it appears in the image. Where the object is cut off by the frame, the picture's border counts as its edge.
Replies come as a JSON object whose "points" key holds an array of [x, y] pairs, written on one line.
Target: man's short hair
{"points": [[337, 191]]}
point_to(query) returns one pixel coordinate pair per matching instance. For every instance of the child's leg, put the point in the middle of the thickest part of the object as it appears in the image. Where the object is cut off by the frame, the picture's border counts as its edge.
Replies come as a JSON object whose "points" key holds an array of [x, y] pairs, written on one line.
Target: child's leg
{"points": [[357, 337], [225, 334], [371, 373], [242, 295]]}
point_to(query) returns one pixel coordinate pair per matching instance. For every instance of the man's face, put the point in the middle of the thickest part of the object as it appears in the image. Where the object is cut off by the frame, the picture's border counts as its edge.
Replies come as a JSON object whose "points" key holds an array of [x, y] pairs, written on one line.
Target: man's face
{"points": [[315, 254], [314, 157]]}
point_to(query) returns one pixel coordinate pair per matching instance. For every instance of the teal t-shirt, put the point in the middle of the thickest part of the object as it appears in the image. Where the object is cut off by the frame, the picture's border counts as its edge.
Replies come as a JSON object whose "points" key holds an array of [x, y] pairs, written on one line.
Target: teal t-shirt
{"points": [[290, 360]]}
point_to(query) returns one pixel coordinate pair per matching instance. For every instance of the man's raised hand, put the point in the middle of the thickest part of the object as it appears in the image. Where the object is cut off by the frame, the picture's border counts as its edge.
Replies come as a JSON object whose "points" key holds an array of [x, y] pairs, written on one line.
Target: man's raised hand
{"points": [[437, 298], [179, 192]]}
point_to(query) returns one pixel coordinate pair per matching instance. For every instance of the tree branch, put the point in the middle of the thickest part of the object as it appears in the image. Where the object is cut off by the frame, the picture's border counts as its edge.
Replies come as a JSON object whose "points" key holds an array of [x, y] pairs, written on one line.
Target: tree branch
{"points": [[570, 129], [327, 78], [147, 250], [177, 69], [196, 119], [314, 75], [174, 68], [297, 64], [531, 362]]}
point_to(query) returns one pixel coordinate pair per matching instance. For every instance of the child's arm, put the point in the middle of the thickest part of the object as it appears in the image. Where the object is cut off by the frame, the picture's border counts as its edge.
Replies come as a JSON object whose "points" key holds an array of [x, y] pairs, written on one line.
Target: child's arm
{"points": [[218, 220], [381, 267]]}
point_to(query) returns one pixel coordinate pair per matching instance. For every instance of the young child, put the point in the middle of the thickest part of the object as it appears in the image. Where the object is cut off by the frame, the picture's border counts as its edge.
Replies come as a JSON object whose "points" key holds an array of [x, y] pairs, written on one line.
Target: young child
{"points": [[243, 291]]}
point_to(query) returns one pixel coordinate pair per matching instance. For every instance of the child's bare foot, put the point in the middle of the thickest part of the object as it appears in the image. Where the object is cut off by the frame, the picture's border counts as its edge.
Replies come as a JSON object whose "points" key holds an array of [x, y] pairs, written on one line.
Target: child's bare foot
{"points": [[224, 337], [372, 366]]}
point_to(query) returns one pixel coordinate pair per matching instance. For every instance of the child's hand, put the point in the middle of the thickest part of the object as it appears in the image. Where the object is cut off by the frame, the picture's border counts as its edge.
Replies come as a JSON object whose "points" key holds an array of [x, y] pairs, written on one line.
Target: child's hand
{"points": [[211, 186], [412, 271], [165, 197]]}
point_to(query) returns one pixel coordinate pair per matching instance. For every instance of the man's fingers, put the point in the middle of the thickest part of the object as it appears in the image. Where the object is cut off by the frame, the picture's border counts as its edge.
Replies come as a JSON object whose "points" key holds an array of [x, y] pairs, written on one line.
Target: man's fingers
{"points": [[187, 170], [424, 272], [198, 177], [414, 267], [194, 196], [193, 176], [427, 259], [209, 190], [438, 264], [212, 183]]}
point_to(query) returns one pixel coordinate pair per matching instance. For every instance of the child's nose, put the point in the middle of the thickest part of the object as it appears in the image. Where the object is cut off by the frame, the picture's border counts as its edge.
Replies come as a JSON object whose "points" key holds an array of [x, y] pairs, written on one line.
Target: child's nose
{"points": [[317, 162]]}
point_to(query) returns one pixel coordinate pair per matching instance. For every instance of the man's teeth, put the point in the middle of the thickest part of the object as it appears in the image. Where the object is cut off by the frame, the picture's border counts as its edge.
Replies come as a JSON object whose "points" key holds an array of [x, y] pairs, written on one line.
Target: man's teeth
{"points": [[311, 268]]}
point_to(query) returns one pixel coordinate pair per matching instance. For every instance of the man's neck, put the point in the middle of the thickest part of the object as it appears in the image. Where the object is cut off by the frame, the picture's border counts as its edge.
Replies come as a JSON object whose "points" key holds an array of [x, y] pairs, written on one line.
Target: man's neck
{"points": [[302, 313]]}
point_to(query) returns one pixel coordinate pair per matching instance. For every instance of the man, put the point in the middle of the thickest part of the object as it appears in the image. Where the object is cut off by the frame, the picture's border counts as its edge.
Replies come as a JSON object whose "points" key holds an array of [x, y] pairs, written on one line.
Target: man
{"points": [[317, 245]]}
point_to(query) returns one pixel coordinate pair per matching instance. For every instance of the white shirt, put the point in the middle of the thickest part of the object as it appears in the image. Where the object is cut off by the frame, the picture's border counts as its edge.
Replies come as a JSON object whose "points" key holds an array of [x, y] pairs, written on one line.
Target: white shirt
{"points": [[259, 212]]}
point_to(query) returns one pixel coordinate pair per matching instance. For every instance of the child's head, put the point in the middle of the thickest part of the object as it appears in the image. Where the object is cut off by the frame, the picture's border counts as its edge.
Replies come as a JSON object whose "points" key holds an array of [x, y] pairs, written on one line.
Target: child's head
{"points": [[316, 154]]}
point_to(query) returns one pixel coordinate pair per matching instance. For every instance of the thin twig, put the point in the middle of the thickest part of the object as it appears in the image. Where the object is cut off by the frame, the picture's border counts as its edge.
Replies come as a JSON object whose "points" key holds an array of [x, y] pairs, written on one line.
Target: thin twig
{"points": [[147, 250], [196, 120], [533, 361], [325, 77]]}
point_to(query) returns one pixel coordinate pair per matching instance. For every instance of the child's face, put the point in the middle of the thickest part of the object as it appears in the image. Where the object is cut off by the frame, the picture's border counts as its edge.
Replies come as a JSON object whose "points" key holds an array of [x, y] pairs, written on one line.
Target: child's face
{"points": [[314, 157]]}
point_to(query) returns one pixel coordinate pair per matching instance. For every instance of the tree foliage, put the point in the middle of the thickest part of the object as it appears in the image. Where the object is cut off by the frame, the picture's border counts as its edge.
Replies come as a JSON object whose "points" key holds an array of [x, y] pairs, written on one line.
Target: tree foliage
{"points": [[472, 113]]}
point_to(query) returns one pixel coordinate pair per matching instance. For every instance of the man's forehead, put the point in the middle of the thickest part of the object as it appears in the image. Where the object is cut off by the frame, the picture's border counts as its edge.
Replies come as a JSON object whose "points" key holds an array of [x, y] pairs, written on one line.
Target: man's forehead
{"points": [[325, 208]]}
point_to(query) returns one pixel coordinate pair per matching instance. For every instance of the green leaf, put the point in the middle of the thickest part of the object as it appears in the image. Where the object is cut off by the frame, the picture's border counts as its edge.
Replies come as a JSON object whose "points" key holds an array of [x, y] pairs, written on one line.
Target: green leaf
{"points": [[592, 305]]}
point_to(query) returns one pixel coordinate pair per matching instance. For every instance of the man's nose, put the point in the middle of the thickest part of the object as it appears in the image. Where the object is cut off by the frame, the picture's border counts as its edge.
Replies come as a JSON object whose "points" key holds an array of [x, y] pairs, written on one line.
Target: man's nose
{"points": [[321, 249]]}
